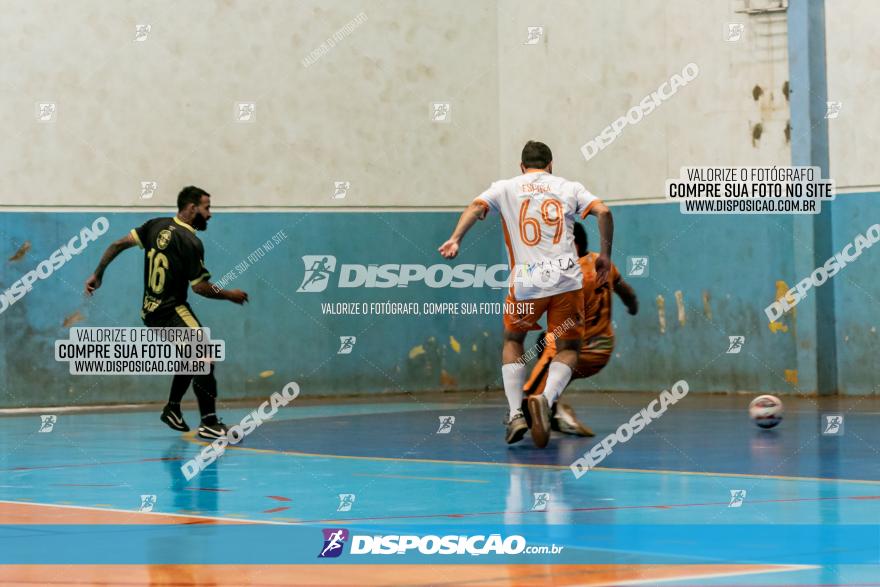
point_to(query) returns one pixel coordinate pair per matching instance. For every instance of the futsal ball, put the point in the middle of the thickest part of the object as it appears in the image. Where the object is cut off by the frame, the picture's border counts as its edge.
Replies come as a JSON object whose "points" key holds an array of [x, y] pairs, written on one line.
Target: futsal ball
{"points": [[766, 411]]}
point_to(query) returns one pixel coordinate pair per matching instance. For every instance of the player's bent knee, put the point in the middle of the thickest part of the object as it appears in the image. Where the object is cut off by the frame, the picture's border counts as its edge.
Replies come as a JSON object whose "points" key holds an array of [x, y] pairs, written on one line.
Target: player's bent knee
{"points": [[573, 344]]}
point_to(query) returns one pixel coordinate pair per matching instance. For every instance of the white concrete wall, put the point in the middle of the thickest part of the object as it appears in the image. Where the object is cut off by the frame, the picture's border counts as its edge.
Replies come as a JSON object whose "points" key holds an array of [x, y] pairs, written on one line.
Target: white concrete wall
{"points": [[853, 61], [163, 109], [602, 57]]}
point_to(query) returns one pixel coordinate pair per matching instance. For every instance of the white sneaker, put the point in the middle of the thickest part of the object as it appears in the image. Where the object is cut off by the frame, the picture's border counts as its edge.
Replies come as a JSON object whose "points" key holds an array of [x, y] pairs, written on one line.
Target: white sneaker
{"points": [[516, 427], [566, 421]]}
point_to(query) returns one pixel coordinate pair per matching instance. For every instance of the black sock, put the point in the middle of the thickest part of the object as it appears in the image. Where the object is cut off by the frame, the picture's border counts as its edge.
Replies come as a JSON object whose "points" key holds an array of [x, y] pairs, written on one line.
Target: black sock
{"points": [[179, 385], [205, 388]]}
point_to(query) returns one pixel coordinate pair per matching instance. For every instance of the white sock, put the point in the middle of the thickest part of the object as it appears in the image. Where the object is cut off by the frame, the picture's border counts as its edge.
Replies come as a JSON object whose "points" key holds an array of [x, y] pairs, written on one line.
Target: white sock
{"points": [[558, 377], [514, 376]]}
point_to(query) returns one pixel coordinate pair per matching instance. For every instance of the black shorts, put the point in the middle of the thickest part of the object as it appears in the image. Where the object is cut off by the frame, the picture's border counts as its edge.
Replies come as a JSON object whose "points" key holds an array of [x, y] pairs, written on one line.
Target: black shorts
{"points": [[180, 317]]}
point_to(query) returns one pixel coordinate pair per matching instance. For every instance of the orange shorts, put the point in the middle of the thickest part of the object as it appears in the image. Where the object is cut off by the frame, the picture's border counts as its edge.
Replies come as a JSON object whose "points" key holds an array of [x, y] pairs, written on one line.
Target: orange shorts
{"points": [[565, 314], [595, 354]]}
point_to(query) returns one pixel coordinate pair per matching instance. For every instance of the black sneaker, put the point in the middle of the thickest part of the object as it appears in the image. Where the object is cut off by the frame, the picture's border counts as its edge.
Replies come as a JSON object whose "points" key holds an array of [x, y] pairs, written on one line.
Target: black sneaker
{"points": [[212, 431], [173, 418]]}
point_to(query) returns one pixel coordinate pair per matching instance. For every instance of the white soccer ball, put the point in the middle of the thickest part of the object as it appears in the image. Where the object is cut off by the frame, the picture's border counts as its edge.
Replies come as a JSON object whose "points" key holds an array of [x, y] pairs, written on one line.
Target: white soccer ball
{"points": [[766, 411]]}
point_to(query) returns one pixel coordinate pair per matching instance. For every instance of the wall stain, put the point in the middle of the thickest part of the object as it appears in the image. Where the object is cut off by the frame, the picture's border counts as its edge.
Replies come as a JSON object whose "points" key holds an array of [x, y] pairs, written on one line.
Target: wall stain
{"points": [[661, 313], [679, 302], [21, 252], [781, 325], [757, 131], [73, 319], [707, 308], [757, 92], [447, 380]]}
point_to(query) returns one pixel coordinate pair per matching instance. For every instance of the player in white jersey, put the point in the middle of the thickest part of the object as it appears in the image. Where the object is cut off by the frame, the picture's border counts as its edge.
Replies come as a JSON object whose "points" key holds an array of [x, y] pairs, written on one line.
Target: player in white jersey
{"points": [[538, 210]]}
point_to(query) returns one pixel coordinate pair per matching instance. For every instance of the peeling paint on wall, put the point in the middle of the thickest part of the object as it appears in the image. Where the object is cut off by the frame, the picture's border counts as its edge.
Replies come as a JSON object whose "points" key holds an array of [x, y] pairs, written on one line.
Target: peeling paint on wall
{"points": [[456, 346], [73, 319], [781, 325], [707, 308], [447, 380], [661, 313], [416, 351], [20, 253], [679, 302], [757, 131], [791, 376]]}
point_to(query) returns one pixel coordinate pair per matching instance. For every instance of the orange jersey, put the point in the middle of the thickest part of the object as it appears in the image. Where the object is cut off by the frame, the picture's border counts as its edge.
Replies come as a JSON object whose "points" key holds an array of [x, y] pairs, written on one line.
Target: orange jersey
{"points": [[597, 303], [597, 300]]}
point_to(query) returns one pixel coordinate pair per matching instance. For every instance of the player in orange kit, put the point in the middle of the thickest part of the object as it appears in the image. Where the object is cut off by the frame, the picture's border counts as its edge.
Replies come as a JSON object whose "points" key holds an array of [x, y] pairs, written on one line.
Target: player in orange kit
{"points": [[598, 342], [538, 210]]}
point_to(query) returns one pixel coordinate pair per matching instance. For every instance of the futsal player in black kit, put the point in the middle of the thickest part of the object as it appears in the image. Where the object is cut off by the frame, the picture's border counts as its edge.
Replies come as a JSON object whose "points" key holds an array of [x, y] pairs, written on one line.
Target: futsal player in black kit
{"points": [[174, 261]]}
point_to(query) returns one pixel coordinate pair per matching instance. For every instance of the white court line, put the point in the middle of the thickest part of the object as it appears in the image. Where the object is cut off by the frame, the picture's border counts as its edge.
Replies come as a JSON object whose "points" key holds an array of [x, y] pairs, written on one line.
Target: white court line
{"points": [[232, 408], [64, 409], [159, 404], [780, 569], [707, 575], [169, 514]]}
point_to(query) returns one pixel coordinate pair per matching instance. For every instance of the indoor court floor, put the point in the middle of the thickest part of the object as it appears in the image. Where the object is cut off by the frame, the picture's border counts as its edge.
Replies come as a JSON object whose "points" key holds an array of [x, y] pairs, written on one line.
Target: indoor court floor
{"points": [[658, 510]]}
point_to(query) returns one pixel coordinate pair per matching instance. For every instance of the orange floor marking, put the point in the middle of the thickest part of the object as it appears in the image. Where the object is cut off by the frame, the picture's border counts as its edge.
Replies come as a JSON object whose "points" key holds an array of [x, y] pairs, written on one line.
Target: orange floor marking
{"points": [[319, 575], [29, 513], [363, 575]]}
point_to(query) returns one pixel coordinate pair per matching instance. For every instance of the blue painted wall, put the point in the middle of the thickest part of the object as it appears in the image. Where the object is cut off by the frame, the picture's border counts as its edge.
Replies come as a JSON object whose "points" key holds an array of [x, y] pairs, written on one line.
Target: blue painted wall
{"points": [[734, 260], [857, 298]]}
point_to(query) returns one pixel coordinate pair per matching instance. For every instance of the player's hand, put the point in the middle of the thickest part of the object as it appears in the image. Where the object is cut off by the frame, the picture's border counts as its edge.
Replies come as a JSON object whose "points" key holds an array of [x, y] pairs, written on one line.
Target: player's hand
{"points": [[236, 296], [92, 283], [633, 308], [449, 249], [603, 266]]}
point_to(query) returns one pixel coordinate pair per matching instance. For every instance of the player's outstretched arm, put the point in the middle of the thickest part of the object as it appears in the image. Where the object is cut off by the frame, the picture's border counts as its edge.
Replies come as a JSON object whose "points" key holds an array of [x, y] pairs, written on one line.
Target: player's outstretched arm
{"points": [[468, 218], [606, 235], [94, 280], [215, 292], [627, 296]]}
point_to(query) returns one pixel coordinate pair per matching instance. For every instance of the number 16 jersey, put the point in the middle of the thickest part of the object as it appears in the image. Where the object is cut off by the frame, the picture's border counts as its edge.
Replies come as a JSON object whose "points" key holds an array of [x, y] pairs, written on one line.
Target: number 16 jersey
{"points": [[174, 260]]}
